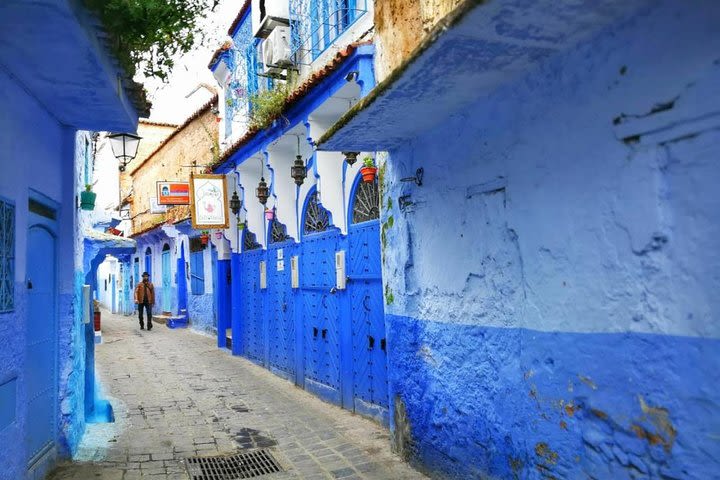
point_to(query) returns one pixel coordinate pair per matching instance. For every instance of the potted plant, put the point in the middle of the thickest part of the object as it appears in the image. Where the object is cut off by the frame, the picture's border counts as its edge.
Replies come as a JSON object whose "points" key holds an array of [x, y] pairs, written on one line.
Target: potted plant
{"points": [[368, 170], [87, 198], [269, 213], [96, 315], [204, 237], [241, 225]]}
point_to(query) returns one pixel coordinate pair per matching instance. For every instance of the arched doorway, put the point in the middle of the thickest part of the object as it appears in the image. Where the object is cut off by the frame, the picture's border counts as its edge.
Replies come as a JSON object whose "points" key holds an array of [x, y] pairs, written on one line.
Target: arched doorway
{"points": [[364, 271], [321, 302], [148, 264], [166, 279]]}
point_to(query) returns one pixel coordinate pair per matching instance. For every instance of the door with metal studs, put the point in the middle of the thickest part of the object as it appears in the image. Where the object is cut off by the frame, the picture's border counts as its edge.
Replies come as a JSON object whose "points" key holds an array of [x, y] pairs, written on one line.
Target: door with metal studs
{"points": [[280, 310], [369, 356], [251, 262]]}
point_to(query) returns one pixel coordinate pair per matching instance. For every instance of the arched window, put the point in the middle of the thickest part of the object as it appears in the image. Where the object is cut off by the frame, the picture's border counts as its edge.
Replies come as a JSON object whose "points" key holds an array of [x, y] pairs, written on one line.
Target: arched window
{"points": [[315, 218], [366, 202], [166, 247], [278, 232], [250, 241], [148, 261]]}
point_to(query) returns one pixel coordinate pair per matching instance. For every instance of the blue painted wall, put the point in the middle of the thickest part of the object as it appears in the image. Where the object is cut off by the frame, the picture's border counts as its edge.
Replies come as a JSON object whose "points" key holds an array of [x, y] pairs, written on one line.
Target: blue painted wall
{"points": [[552, 293]]}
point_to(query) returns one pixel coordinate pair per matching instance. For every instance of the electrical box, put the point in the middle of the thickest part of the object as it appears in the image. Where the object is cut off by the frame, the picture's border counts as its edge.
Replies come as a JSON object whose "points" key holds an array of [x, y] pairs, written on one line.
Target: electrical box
{"points": [[340, 277], [86, 303], [294, 272], [268, 14], [263, 274]]}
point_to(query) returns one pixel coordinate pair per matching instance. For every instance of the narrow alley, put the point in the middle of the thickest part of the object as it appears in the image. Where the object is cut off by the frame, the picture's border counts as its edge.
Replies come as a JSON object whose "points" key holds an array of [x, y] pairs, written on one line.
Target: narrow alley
{"points": [[175, 395]]}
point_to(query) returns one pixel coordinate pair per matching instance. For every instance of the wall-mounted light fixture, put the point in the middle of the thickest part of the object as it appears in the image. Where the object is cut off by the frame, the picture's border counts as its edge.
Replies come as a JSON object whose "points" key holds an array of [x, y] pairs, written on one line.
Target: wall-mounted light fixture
{"points": [[124, 147], [235, 203], [417, 179], [262, 192], [298, 171], [351, 157]]}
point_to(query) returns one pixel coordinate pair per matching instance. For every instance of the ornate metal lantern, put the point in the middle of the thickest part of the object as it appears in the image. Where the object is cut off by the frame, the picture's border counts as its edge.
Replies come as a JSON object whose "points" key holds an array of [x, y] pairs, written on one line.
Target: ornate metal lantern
{"points": [[235, 203], [298, 171], [262, 191], [351, 157], [124, 147]]}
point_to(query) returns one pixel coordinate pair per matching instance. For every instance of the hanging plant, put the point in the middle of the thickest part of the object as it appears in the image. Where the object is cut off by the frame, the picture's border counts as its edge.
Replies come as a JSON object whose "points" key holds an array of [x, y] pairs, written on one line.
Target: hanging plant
{"points": [[87, 198], [368, 170], [204, 237]]}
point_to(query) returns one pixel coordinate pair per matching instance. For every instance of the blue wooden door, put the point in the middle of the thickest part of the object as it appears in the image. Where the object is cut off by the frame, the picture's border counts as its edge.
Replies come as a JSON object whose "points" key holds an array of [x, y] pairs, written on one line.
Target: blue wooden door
{"points": [[251, 317], [41, 339], [369, 354], [281, 309], [166, 282], [321, 314]]}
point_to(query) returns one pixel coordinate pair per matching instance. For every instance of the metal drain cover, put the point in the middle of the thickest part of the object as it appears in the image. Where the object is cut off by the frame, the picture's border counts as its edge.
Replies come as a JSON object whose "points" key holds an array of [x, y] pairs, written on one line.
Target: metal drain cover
{"points": [[231, 467]]}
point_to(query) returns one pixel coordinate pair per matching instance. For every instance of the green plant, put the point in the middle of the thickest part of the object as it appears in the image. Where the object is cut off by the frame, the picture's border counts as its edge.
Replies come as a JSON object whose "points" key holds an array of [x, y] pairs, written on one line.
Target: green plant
{"points": [[368, 161], [268, 106], [88, 187], [148, 34]]}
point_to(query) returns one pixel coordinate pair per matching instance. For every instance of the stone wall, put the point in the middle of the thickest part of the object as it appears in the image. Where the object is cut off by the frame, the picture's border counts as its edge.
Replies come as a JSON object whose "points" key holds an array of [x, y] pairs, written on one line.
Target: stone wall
{"points": [[552, 305], [400, 26], [193, 143]]}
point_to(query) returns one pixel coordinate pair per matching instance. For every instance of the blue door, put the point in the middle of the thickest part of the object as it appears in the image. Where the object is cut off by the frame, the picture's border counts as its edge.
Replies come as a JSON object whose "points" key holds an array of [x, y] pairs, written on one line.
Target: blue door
{"points": [[281, 307], [251, 317], [166, 280], [369, 344], [321, 314], [41, 339]]}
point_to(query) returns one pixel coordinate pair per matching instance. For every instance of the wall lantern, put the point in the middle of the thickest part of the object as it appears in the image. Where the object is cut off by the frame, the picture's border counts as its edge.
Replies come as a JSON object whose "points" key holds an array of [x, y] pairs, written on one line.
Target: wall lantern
{"points": [[124, 147], [262, 191], [298, 171], [351, 157], [235, 204]]}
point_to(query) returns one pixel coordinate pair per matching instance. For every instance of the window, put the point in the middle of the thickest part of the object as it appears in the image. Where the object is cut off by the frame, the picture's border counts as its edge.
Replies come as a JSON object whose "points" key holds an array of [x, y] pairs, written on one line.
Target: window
{"points": [[7, 256], [197, 267], [317, 219], [366, 203]]}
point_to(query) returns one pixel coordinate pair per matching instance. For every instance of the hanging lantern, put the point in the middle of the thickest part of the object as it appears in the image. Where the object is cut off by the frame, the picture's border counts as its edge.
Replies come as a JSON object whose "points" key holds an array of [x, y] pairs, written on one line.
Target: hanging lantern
{"points": [[262, 191], [298, 171], [351, 157], [235, 203]]}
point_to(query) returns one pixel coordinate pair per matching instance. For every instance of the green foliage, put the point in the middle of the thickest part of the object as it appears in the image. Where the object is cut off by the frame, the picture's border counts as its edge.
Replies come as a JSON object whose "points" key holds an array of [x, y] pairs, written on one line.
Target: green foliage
{"points": [[268, 106], [147, 34], [368, 161]]}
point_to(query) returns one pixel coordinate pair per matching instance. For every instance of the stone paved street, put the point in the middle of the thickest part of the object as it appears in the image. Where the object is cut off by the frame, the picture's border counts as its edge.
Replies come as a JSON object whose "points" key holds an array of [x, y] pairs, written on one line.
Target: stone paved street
{"points": [[176, 395]]}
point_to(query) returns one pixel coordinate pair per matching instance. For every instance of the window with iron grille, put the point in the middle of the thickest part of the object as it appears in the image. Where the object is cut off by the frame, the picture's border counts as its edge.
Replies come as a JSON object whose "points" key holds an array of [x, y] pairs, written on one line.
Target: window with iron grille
{"points": [[7, 256]]}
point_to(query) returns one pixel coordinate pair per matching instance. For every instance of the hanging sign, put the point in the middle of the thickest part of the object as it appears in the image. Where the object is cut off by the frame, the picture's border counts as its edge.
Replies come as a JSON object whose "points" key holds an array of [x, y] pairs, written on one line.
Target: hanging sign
{"points": [[208, 202], [173, 193]]}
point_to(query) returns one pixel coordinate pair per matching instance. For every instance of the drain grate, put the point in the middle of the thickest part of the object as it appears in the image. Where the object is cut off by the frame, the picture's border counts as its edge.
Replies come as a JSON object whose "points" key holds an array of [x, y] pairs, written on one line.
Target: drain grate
{"points": [[232, 467]]}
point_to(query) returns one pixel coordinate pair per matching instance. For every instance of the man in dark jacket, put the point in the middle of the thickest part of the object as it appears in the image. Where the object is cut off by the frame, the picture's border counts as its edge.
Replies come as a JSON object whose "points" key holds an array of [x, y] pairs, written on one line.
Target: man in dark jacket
{"points": [[145, 297]]}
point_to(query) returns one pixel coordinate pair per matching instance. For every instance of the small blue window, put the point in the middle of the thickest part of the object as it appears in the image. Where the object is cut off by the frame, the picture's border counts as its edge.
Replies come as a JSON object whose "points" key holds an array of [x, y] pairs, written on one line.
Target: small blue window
{"points": [[7, 256]]}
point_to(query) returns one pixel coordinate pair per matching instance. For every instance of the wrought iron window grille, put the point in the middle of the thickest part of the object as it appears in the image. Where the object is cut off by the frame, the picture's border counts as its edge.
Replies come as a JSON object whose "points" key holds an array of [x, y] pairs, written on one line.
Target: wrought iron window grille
{"points": [[366, 202], [7, 256]]}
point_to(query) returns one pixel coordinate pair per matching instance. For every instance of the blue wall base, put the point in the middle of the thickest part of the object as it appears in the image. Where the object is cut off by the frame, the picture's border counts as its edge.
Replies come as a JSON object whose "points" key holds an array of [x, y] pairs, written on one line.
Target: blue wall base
{"points": [[518, 403]]}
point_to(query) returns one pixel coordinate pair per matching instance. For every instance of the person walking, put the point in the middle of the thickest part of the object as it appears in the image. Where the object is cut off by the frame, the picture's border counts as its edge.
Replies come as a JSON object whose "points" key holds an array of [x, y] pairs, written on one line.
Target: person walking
{"points": [[145, 297]]}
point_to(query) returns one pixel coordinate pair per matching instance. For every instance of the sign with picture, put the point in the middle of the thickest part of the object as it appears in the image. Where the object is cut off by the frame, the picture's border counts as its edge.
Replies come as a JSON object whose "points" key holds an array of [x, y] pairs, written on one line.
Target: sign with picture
{"points": [[173, 193], [208, 202], [155, 207]]}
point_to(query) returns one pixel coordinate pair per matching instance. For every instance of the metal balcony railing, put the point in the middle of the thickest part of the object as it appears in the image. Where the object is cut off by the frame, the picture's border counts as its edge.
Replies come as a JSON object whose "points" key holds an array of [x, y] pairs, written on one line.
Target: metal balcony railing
{"points": [[317, 24]]}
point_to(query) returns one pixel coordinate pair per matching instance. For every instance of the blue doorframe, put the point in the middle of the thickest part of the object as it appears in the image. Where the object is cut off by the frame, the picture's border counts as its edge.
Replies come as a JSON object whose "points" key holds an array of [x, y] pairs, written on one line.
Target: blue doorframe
{"points": [[223, 300], [41, 336], [166, 280]]}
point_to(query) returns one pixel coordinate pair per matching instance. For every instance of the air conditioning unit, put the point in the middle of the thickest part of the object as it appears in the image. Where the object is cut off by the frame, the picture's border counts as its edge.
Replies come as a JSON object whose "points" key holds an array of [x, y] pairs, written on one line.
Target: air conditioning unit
{"points": [[268, 14], [276, 51]]}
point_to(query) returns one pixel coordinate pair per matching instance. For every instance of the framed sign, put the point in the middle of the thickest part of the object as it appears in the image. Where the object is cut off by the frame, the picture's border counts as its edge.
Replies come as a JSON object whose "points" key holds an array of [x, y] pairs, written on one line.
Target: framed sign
{"points": [[208, 202], [173, 193]]}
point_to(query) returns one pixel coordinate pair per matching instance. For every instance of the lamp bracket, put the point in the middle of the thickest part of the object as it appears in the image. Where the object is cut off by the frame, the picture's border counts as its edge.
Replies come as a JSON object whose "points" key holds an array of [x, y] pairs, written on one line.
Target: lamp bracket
{"points": [[417, 179]]}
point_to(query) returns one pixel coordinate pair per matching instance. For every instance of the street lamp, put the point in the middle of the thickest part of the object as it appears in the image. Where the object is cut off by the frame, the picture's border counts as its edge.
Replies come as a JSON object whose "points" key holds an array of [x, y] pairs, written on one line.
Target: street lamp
{"points": [[298, 171], [235, 204], [262, 191], [124, 147]]}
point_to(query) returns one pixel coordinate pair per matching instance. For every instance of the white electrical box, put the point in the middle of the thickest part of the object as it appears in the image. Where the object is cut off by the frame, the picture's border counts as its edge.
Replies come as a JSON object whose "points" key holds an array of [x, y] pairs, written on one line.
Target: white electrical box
{"points": [[281, 265], [268, 14], [86, 303], [294, 272], [263, 274], [340, 278], [280, 254]]}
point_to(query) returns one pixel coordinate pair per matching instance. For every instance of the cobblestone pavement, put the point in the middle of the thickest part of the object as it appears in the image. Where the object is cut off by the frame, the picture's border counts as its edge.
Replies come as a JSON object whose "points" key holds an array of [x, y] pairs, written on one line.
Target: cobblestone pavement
{"points": [[176, 395]]}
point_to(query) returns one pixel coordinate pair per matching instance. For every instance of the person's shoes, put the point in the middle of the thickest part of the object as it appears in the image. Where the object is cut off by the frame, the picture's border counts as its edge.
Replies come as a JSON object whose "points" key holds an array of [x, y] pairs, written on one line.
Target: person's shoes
{"points": [[142, 327], [149, 328]]}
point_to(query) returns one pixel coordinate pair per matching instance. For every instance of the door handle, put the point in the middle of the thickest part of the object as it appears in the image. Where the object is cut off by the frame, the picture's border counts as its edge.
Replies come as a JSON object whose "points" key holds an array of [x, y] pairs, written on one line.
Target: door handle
{"points": [[365, 303], [315, 332], [371, 342], [324, 332], [333, 290], [383, 345], [29, 284]]}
